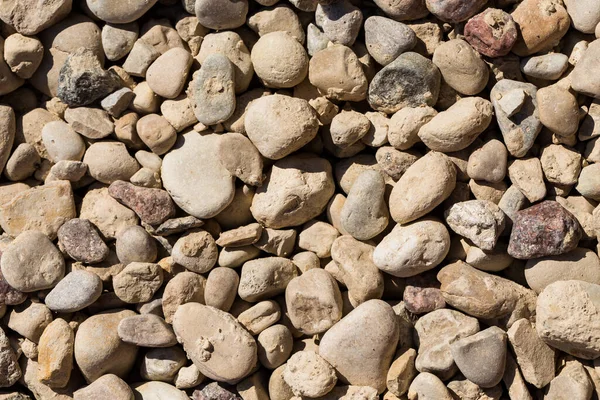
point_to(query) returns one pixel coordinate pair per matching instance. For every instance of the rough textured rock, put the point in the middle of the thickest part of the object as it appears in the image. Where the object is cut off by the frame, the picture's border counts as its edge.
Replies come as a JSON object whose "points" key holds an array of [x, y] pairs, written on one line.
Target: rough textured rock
{"points": [[80, 240], [31, 17], [153, 206], [56, 354], [212, 92], [480, 221], [386, 39], [492, 33], [264, 278], [8, 362]]}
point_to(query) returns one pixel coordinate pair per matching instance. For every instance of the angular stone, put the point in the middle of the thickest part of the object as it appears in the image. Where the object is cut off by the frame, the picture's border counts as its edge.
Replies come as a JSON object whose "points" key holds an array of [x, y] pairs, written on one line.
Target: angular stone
{"points": [[386, 39], [80, 240], [542, 230], [138, 282], [56, 354], [76, 291], [480, 221], [153, 206], [90, 122], [241, 158], [116, 103], [106, 213], [422, 294], [146, 330], [242, 236], [30, 17], [185, 287], [214, 391], [11, 372]]}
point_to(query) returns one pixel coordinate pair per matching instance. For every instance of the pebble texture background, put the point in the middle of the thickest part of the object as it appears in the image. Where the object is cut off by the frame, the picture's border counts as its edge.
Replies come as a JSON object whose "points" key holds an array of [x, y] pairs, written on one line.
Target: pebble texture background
{"points": [[299, 199]]}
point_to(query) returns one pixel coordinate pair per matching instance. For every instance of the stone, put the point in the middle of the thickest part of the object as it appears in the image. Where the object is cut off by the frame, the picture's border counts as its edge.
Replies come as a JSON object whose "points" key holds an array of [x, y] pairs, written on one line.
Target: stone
{"points": [[30, 17], [23, 54], [80, 240], [488, 162], [480, 221], [188, 377], [279, 60], [404, 10], [221, 288], [337, 73], [401, 372], [405, 125], [318, 237], [583, 15], [242, 236], [185, 287], [82, 80], [548, 66], [541, 25], [348, 127], [31, 262], [481, 357], [279, 18], [179, 112], [138, 282], [168, 73], [586, 184], [76, 291], [513, 380], [465, 389], [7, 138], [118, 39], [215, 391], [264, 278], [492, 32], [222, 350], [520, 129], [573, 379], [422, 294], [314, 301], [281, 202], [109, 162], [9, 296], [411, 80], [395, 162], [117, 102], [260, 316], [156, 133], [361, 346], [386, 39], [239, 156], [491, 261], [357, 270], [454, 58], [192, 164], [56, 354], [22, 163], [454, 10], [89, 122], [427, 386], [134, 244], [413, 248], [542, 230], [106, 213], [72, 171], [141, 56], [279, 242], [308, 374], [196, 251], [221, 15], [554, 101], [424, 186], [212, 91], [153, 206], [29, 320], [98, 348], [274, 346], [107, 387], [153, 389], [8, 362], [162, 364], [365, 214], [457, 128], [535, 358], [340, 21], [116, 12], [10, 81], [279, 125]]}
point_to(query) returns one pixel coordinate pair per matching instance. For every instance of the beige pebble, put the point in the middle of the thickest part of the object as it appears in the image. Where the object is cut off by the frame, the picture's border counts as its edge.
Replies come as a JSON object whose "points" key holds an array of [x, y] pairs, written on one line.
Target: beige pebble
{"points": [[109, 162], [527, 175], [260, 316], [279, 60], [168, 73], [156, 133]]}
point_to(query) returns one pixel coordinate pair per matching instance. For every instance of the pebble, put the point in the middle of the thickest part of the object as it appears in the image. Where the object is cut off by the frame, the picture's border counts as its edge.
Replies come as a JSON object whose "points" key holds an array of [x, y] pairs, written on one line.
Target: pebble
{"points": [[188, 377], [29, 320], [435, 332], [402, 372], [480, 221], [361, 346], [31, 262], [242, 236], [427, 386], [185, 287], [284, 68], [153, 206], [554, 101], [548, 66], [519, 127], [535, 358], [348, 127], [340, 21], [162, 364], [107, 387], [196, 251], [212, 92], [279, 242], [457, 127], [98, 348], [425, 185], [274, 346], [411, 80], [279, 18], [23, 54], [117, 102], [29, 17], [455, 57], [583, 15], [541, 26], [260, 316], [241, 158], [82, 80], [222, 14], [215, 391], [454, 10], [405, 125], [488, 162], [308, 374], [413, 248], [168, 73], [62, 142], [221, 288], [118, 39], [542, 230], [223, 350], [134, 244], [572, 379], [280, 125], [10, 296], [337, 73], [386, 39], [89, 122], [492, 32], [22, 163], [109, 162], [76, 291], [314, 301], [193, 157], [140, 57], [157, 390], [404, 10], [56, 354], [106, 213], [8, 362], [138, 282], [264, 278], [281, 201], [80, 240]]}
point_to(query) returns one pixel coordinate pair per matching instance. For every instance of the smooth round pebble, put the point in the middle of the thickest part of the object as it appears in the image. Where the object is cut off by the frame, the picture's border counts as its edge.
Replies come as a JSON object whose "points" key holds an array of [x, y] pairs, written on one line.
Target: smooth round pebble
{"points": [[76, 291]]}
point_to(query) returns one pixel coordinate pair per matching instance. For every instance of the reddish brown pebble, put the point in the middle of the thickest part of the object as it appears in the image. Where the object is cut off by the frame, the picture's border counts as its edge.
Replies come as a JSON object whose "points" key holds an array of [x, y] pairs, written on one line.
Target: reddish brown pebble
{"points": [[454, 10], [9, 295], [422, 294], [81, 241], [213, 391], [153, 206], [543, 230], [492, 32]]}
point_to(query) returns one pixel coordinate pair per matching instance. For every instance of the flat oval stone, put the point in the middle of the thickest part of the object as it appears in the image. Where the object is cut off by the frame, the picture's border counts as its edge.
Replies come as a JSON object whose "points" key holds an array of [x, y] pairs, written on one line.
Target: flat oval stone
{"points": [[119, 12], [81, 241], [146, 330], [193, 163], [76, 291], [220, 348], [213, 90]]}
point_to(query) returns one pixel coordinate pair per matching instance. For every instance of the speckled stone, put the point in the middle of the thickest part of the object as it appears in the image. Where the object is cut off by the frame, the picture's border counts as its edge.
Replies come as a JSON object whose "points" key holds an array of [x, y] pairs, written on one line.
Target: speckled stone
{"points": [[492, 32], [153, 206]]}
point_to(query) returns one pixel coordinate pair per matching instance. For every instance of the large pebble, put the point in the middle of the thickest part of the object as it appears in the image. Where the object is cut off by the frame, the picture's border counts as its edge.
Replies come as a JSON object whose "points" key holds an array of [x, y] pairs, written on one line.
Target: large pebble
{"points": [[296, 191], [118, 39], [31, 262], [361, 346], [427, 386], [461, 66], [567, 317], [279, 60], [340, 21], [56, 354], [8, 362], [480, 221], [584, 14], [404, 10], [153, 206], [155, 390], [454, 10], [241, 158], [573, 379], [107, 387], [279, 125], [192, 164], [168, 73], [106, 213], [492, 33], [264, 278], [221, 14], [222, 350], [76, 291], [411, 80], [274, 346], [118, 12], [80, 240], [212, 91], [413, 248], [29, 320], [146, 330], [308, 374], [541, 24], [582, 80], [386, 39], [196, 251], [156, 133], [98, 348], [30, 17], [185, 287], [424, 186], [109, 162], [138, 282], [134, 243]]}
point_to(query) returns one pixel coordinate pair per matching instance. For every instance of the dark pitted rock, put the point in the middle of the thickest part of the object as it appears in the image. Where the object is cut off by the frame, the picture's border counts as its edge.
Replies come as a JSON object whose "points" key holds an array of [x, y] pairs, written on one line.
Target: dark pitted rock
{"points": [[80, 240], [422, 294], [543, 230], [492, 32], [153, 206], [411, 80], [454, 10], [8, 294], [214, 391], [82, 80]]}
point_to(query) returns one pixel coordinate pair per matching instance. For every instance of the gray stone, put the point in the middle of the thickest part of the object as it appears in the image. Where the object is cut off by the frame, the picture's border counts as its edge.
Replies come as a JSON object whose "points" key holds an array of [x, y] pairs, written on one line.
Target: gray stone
{"points": [[221, 14], [116, 103], [386, 39], [76, 291], [118, 39], [11, 372], [548, 66], [340, 20], [119, 12], [81, 241]]}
